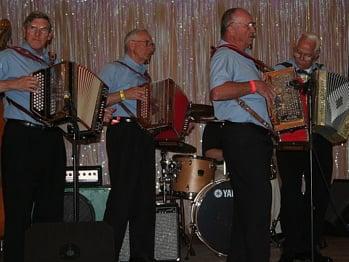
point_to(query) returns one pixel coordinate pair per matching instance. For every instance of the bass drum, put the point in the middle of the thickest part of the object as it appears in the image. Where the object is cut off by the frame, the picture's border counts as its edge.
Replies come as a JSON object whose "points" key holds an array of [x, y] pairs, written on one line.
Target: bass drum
{"points": [[212, 213]]}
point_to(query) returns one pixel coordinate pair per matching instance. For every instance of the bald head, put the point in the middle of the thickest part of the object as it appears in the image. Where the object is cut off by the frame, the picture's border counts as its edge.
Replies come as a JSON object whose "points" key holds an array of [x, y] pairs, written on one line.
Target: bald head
{"points": [[307, 50]]}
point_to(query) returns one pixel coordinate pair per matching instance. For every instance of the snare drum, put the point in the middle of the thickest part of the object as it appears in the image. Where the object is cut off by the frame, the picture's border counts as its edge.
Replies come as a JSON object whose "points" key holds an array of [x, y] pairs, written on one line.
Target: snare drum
{"points": [[194, 172], [212, 214]]}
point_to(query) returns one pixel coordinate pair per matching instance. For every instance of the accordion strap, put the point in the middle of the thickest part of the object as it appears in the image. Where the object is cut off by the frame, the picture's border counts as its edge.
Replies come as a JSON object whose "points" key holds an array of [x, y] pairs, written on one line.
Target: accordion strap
{"points": [[23, 109], [253, 113], [260, 65], [146, 76], [28, 54]]}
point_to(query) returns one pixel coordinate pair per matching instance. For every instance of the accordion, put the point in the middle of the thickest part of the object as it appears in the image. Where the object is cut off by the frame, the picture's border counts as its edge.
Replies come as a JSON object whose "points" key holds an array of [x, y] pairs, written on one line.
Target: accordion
{"points": [[331, 106], [164, 111], [287, 111], [70, 93]]}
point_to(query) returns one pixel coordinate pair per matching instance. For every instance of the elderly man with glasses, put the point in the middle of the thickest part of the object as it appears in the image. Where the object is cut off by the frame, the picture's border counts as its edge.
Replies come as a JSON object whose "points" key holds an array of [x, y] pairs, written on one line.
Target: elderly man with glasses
{"points": [[130, 149], [247, 145], [294, 171], [33, 156]]}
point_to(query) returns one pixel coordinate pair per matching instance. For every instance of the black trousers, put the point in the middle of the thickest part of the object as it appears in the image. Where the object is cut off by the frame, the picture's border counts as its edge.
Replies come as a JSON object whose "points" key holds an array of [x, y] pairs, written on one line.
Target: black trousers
{"points": [[247, 150], [131, 156], [33, 179], [295, 204]]}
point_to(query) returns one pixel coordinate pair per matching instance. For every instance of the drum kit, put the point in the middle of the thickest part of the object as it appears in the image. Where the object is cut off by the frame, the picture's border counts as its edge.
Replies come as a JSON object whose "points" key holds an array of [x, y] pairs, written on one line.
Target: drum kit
{"points": [[188, 177]]}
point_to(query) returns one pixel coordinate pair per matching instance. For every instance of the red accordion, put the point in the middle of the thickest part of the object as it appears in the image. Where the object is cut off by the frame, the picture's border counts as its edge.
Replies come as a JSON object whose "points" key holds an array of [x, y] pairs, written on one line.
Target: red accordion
{"points": [[164, 111]]}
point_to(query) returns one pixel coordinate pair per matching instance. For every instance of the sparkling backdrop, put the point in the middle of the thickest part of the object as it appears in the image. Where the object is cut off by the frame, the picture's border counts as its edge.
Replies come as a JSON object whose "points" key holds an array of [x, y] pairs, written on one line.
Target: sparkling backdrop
{"points": [[90, 32]]}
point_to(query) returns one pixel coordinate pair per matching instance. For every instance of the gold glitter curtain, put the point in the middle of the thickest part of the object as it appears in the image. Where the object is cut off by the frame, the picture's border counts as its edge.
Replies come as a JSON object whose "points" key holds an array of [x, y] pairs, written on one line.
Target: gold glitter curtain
{"points": [[91, 33]]}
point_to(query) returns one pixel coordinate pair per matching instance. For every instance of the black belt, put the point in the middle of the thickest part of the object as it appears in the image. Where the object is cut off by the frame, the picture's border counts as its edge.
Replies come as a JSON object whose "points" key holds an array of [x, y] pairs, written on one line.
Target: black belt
{"points": [[27, 124], [117, 120], [250, 125]]}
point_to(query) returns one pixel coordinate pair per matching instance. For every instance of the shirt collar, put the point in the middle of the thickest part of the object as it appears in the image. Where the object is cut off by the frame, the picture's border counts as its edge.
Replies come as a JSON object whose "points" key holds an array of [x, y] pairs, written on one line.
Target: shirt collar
{"points": [[141, 68]]}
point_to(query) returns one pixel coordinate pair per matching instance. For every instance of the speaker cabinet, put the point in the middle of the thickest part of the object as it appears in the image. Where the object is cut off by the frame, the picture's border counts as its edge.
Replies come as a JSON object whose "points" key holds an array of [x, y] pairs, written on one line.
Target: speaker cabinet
{"points": [[166, 235], [78, 242], [92, 203], [340, 195]]}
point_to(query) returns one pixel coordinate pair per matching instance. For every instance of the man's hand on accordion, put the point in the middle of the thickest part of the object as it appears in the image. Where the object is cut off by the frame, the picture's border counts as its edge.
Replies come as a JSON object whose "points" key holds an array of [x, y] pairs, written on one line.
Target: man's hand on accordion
{"points": [[108, 114], [264, 89], [137, 93], [24, 83]]}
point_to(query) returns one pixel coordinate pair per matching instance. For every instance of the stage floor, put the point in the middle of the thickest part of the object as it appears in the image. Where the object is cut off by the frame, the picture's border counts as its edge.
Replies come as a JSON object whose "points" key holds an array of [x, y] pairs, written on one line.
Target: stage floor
{"points": [[337, 248]]}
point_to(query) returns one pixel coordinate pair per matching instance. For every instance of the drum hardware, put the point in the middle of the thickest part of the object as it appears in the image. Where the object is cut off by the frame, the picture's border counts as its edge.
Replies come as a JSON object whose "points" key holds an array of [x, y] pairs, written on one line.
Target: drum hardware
{"points": [[200, 113], [276, 240], [175, 146]]}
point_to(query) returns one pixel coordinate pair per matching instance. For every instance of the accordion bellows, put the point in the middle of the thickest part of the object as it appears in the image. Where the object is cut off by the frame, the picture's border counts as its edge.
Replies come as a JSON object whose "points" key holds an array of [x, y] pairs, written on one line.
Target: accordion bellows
{"points": [[68, 93], [331, 107], [164, 111]]}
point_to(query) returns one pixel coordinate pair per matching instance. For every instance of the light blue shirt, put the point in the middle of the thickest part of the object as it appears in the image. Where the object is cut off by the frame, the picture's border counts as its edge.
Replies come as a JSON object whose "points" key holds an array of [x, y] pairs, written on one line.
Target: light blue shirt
{"points": [[12, 66], [119, 77], [228, 65]]}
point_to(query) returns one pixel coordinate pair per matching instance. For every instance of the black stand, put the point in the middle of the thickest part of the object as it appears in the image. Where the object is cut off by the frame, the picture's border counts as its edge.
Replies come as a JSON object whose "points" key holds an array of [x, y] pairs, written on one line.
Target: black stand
{"points": [[308, 89], [73, 129]]}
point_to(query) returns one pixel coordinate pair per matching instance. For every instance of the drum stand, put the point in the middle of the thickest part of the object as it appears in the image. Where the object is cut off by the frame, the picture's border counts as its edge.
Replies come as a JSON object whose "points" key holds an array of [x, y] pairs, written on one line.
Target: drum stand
{"points": [[168, 171]]}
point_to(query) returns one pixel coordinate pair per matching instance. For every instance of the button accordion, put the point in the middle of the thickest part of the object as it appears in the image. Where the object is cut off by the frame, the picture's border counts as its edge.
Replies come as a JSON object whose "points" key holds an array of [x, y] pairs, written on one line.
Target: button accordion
{"points": [[164, 113], [331, 106], [289, 111], [70, 93]]}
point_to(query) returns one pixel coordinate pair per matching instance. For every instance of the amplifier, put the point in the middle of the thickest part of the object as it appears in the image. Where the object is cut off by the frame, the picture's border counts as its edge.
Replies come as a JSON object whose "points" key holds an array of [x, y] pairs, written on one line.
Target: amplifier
{"points": [[88, 176], [167, 246]]}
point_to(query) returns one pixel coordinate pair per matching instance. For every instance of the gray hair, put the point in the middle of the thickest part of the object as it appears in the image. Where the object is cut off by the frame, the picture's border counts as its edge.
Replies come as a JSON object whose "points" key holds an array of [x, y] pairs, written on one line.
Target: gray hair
{"points": [[227, 18], [130, 36], [35, 15], [312, 37]]}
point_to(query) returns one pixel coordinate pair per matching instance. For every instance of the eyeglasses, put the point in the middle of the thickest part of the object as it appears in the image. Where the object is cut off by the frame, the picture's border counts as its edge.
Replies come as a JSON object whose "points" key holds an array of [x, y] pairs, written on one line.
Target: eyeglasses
{"points": [[42, 30], [305, 57], [148, 43], [250, 25]]}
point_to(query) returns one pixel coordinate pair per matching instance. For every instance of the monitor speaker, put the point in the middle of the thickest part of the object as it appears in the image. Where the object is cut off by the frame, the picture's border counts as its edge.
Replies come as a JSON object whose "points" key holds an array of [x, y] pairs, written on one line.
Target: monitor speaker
{"points": [[61, 242]]}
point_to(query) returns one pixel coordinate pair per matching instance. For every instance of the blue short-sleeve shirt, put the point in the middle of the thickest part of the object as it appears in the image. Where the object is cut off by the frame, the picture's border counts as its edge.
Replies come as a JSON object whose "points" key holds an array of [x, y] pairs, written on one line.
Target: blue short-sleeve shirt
{"points": [[228, 65]]}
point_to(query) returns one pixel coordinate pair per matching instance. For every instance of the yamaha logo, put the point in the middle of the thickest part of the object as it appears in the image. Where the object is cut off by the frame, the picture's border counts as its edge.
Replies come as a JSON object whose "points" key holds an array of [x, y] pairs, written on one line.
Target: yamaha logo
{"points": [[218, 193]]}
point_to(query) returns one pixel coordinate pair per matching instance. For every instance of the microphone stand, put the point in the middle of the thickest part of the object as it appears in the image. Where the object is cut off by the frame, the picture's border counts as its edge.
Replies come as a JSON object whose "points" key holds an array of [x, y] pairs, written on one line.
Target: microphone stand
{"points": [[73, 128], [308, 88]]}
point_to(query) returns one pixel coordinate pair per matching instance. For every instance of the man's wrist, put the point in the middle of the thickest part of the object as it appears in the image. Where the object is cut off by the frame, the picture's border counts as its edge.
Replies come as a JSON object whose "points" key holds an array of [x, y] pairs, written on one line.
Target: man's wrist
{"points": [[253, 87], [122, 95]]}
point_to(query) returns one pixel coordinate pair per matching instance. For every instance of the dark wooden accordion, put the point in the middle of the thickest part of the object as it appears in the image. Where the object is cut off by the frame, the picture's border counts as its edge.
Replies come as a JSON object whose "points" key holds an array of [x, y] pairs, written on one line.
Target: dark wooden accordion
{"points": [[164, 111], [331, 106], [289, 111], [70, 93]]}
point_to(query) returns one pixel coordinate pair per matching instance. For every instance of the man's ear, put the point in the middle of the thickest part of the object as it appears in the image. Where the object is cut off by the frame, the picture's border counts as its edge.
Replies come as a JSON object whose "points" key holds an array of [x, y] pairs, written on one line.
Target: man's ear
{"points": [[317, 54]]}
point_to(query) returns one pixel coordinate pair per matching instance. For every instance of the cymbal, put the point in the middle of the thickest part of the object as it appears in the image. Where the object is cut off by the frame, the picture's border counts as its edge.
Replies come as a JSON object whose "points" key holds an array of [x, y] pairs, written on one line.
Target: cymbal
{"points": [[200, 112], [175, 146]]}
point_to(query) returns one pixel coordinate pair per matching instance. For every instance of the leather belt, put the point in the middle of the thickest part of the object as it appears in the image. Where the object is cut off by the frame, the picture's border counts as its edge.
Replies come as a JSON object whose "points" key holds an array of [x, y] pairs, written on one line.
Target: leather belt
{"points": [[118, 119], [27, 124]]}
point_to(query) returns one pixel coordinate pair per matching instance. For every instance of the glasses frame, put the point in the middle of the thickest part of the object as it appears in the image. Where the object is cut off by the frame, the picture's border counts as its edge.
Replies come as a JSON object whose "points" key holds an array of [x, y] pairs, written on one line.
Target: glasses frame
{"points": [[148, 43], [42, 30], [249, 25]]}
